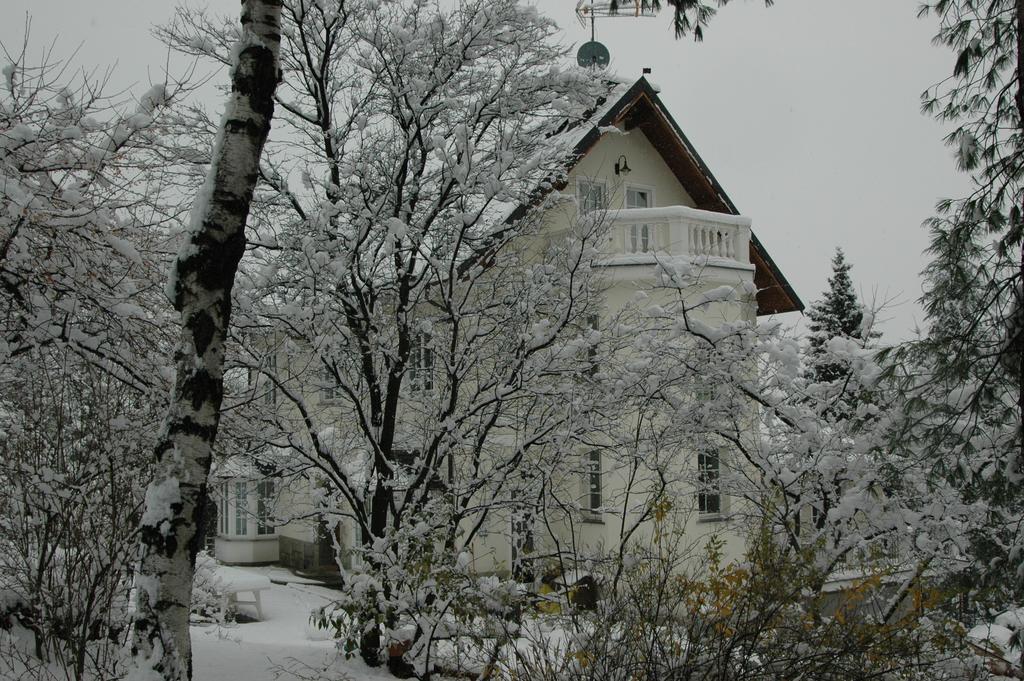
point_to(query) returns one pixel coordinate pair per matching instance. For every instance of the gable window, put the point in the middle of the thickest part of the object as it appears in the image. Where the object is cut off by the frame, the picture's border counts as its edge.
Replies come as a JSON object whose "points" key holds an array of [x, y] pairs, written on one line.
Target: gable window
{"points": [[709, 490], [592, 196], [639, 238], [421, 363], [595, 486]]}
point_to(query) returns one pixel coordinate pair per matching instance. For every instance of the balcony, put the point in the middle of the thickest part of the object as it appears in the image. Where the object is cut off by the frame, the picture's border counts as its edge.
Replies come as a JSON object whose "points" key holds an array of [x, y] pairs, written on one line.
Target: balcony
{"points": [[639, 236]]}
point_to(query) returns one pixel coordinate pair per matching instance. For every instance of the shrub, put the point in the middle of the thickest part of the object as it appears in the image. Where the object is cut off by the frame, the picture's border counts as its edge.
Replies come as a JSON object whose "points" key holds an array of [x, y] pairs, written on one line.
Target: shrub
{"points": [[207, 592]]}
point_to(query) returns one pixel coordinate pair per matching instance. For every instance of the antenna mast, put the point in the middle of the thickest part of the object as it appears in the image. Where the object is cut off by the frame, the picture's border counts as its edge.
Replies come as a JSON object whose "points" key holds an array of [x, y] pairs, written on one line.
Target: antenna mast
{"points": [[594, 54]]}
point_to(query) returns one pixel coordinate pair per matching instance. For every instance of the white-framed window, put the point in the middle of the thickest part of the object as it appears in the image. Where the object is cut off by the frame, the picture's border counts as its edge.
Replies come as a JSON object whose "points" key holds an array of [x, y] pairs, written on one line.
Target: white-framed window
{"points": [[421, 362], [241, 509], [818, 517], [265, 507], [522, 546], [594, 498], [329, 389], [270, 396], [246, 508], [225, 520], [593, 323], [639, 238], [592, 195], [709, 488]]}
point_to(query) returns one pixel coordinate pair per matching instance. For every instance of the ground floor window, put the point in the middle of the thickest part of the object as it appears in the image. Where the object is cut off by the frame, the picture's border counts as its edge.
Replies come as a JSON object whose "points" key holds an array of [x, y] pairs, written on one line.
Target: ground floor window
{"points": [[709, 493], [225, 495], [421, 363], [264, 507], [241, 509], [595, 487], [246, 508]]}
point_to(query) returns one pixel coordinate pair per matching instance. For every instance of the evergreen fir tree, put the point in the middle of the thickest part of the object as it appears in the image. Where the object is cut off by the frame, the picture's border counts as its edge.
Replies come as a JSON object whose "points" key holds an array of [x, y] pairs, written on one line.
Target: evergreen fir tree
{"points": [[837, 314]]}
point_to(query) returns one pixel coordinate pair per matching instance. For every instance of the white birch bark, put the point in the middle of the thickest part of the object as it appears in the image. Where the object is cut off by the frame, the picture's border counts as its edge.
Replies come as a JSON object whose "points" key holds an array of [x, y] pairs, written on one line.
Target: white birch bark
{"points": [[200, 288]]}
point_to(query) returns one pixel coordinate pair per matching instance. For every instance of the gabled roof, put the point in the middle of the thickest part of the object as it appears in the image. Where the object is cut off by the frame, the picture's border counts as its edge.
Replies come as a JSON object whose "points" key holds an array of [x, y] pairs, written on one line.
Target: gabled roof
{"points": [[640, 107]]}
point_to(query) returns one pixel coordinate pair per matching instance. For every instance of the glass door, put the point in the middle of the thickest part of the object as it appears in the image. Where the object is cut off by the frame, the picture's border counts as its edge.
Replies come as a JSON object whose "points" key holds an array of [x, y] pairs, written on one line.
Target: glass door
{"points": [[640, 237]]}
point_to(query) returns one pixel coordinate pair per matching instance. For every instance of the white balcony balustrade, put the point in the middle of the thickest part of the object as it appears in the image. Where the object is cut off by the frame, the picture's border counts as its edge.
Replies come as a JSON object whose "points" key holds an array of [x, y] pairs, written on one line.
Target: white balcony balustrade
{"points": [[639, 235]]}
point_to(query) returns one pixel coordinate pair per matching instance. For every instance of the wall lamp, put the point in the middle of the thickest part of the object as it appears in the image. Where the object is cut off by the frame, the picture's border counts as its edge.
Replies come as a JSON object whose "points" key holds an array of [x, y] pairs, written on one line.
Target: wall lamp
{"points": [[621, 167]]}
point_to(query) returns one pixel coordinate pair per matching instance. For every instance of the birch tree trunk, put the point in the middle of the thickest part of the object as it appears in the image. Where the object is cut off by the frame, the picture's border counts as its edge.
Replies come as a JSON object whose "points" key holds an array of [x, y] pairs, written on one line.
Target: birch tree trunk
{"points": [[200, 288], [1015, 342]]}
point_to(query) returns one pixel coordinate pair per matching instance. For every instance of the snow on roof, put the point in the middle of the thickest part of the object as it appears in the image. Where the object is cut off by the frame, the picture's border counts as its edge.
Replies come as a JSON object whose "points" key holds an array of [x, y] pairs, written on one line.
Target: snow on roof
{"points": [[243, 466], [580, 128]]}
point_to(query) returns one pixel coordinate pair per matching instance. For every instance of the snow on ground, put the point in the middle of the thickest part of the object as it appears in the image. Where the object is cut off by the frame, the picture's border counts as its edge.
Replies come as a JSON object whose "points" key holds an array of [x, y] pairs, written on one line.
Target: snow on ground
{"points": [[281, 575], [254, 650]]}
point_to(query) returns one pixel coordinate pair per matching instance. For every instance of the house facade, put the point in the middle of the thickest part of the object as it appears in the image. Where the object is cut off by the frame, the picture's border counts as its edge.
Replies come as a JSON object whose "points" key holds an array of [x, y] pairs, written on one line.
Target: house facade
{"points": [[636, 168]]}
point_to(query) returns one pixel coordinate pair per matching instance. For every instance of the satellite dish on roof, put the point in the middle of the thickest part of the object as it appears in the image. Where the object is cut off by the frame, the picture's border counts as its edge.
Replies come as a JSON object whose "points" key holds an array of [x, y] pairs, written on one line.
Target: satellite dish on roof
{"points": [[593, 53]]}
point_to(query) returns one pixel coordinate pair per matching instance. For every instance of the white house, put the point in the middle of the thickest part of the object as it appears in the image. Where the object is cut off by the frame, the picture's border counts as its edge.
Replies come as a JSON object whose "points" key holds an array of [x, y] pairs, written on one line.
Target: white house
{"points": [[637, 166]]}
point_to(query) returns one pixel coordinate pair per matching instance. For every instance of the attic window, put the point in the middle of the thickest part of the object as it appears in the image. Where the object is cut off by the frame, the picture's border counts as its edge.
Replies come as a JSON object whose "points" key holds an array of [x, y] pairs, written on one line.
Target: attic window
{"points": [[592, 195]]}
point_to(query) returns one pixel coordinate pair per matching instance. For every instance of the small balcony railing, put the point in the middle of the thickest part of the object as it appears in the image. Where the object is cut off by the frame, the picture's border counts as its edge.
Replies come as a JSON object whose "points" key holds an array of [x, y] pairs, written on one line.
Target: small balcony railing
{"points": [[639, 235]]}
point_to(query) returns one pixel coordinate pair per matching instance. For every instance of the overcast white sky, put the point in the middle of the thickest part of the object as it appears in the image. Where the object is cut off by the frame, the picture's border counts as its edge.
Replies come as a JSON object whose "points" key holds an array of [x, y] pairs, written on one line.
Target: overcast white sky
{"points": [[807, 113]]}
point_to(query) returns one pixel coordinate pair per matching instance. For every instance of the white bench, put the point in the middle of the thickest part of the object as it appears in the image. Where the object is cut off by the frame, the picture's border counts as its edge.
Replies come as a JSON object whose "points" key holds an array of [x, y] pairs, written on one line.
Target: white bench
{"points": [[234, 581]]}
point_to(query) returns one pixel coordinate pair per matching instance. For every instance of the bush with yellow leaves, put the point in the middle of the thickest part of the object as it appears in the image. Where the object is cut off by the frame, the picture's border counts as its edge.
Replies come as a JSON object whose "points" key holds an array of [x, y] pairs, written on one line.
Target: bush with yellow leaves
{"points": [[773, 616]]}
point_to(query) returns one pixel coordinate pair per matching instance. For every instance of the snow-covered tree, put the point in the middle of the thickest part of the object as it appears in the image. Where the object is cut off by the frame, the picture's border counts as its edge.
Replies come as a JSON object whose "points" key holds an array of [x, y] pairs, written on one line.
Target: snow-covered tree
{"points": [[838, 317], [402, 312], [967, 386], [75, 443], [823, 482], [201, 281], [977, 264], [80, 221], [838, 314], [83, 336]]}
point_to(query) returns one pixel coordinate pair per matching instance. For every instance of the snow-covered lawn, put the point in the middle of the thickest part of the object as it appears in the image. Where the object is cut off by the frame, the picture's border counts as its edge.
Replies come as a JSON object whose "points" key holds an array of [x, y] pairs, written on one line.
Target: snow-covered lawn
{"points": [[254, 650], [257, 651]]}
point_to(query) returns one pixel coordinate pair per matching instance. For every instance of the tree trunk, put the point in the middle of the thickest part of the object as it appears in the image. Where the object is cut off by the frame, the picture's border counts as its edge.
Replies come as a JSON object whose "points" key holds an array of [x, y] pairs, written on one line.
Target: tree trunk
{"points": [[370, 641], [1016, 343], [200, 289]]}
